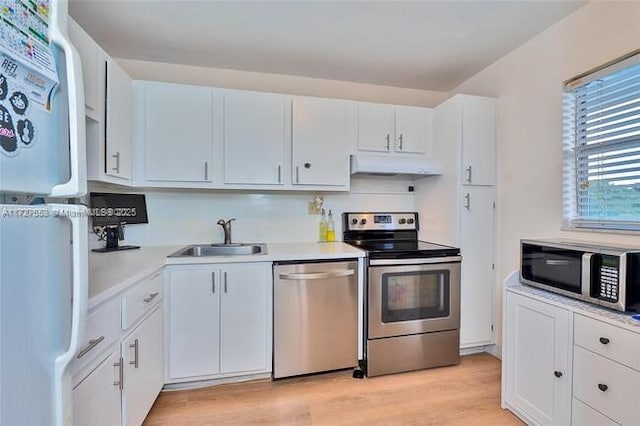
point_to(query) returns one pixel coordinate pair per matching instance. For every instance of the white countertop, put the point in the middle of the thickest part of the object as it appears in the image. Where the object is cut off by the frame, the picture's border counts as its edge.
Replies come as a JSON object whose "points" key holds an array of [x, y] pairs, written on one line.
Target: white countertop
{"points": [[112, 273]]}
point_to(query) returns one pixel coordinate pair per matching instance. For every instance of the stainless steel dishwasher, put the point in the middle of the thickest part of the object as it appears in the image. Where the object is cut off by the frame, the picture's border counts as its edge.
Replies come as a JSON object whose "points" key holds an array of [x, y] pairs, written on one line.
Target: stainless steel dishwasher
{"points": [[315, 317]]}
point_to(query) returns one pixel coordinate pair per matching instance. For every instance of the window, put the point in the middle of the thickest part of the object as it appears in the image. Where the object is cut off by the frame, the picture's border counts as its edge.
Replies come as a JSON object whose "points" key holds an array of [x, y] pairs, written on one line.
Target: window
{"points": [[602, 147]]}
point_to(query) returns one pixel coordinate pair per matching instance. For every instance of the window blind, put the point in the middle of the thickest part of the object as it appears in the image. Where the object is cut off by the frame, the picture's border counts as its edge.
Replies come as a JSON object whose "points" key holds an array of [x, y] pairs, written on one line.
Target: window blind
{"points": [[602, 149]]}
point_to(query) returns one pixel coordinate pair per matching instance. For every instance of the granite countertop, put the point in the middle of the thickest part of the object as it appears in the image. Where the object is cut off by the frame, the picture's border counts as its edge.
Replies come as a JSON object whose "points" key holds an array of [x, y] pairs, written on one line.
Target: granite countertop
{"points": [[111, 273], [620, 319]]}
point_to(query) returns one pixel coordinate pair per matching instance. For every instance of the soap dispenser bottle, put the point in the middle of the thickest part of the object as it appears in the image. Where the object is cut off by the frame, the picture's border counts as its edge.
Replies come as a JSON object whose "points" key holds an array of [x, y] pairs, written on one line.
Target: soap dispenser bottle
{"points": [[322, 228], [331, 228]]}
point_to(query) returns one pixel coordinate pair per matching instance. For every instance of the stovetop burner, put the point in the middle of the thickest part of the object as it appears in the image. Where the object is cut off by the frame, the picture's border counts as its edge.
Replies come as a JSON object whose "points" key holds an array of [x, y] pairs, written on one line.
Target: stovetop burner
{"points": [[390, 236]]}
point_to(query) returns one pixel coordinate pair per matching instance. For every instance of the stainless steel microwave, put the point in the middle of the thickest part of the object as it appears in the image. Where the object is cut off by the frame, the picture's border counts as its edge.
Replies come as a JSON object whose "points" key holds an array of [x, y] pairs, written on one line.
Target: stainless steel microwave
{"points": [[604, 275]]}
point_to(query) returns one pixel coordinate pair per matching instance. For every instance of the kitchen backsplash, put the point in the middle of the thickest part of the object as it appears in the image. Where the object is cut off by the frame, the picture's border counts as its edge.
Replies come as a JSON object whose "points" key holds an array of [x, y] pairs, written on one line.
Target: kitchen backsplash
{"points": [[189, 217]]}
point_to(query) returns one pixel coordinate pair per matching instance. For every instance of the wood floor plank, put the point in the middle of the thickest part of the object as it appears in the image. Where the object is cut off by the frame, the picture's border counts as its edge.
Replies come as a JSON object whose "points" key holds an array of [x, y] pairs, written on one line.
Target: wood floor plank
{"points": [[466, 394]]}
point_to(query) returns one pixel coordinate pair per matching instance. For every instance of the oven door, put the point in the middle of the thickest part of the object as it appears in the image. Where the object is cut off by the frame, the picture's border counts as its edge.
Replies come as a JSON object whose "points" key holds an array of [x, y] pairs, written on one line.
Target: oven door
{"points": [[411, 299]]}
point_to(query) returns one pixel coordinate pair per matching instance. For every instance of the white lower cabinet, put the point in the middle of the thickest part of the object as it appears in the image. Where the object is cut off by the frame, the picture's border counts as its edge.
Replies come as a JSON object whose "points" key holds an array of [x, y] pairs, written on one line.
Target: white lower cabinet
{"points": [[564, 366], [219, 321], [119, 371], [143, 368], [537, 360], [96, 398], [477, 231]]}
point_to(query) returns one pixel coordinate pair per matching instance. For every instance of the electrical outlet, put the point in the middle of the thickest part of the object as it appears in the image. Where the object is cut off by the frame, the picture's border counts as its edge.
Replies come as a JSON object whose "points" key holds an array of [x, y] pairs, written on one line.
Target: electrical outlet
{"points": [[313, 208]]}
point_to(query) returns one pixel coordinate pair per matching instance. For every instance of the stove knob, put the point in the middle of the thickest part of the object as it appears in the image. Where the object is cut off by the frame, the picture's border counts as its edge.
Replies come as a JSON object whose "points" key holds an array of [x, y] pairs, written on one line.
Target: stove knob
{"points": [[354, 221], [363, 221], [410, 221], [402, 221]]}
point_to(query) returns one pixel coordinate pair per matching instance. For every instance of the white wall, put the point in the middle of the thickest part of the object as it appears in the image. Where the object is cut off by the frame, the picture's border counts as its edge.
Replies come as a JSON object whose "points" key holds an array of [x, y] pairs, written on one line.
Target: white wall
{"points": [[187, 217], [528, 85], [295, 85]]}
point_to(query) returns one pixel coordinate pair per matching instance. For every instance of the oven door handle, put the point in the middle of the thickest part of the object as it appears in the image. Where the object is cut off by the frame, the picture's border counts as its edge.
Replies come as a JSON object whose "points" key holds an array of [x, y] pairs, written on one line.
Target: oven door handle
{"points": [[317, 275], [421, 261]]}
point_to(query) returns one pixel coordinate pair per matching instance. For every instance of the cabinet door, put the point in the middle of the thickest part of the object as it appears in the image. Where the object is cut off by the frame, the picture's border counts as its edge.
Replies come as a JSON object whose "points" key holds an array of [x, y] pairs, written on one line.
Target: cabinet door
{"points": [[194, 323], [245, 318], [119, 101], [537, 350], [254, 137], [178, 129], [411, 129], [88, 51], [376, 127], [142, 354], [96, 400], [478, 140], [319, 142], [478, 277]]}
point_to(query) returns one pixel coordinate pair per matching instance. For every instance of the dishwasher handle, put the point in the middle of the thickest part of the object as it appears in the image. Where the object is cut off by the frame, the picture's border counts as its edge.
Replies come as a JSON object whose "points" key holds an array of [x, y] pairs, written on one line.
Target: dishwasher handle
{"points": [[317, 275]]}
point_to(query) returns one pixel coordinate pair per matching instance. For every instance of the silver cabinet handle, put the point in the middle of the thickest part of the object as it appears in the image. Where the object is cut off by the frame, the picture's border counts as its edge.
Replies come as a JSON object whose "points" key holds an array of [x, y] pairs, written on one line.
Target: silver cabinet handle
{"points": [[225, 281], [120, 382], [92, 344], [206, 170], [388, 138], [467, 201], [317, 275], [213, 282], [117, 157], [135, 354], [297, 174], [469, 171], [400, 137], [151, 297], [279, 174]]}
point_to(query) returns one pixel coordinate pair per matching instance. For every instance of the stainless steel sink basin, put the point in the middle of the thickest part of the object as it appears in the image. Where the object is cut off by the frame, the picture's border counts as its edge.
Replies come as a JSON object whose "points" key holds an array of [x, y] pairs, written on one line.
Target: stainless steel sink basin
{"points": [[201, 250]]}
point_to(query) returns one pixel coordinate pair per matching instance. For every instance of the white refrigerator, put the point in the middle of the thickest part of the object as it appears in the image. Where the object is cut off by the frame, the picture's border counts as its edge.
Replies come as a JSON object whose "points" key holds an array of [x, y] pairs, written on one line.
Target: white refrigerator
{"points": [[43, 241]]}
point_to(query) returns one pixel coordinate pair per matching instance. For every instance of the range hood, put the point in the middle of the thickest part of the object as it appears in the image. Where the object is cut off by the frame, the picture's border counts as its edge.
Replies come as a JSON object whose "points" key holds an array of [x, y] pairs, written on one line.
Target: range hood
{"points": [[385, 165]]}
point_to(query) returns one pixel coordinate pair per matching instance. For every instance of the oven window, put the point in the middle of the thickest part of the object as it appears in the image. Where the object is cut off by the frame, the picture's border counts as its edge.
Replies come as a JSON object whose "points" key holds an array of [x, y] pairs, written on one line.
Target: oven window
{"points": [[408, 296]]}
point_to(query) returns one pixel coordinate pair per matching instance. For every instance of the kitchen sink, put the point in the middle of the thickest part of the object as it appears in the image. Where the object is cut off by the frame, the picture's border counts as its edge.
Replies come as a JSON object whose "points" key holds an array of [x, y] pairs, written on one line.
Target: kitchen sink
{"points": [[201, 250]]}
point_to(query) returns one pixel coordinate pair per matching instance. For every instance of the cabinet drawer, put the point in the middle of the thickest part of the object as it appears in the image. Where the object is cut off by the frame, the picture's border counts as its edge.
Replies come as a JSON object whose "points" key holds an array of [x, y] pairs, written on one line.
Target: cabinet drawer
{"points": [[139, 300], [583, 415], [101, 331], [605, 385], [607, 340]]}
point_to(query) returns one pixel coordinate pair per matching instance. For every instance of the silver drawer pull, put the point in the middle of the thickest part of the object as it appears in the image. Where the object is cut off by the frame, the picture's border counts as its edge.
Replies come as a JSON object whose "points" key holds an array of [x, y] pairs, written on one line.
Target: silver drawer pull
{"points": [[317, 275], [92, 344], [151, 297]]}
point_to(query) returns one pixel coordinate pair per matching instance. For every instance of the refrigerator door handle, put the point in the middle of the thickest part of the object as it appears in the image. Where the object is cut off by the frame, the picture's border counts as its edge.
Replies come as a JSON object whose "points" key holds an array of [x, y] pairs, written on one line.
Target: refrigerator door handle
{"points": [[77, 215], [77, 184]]}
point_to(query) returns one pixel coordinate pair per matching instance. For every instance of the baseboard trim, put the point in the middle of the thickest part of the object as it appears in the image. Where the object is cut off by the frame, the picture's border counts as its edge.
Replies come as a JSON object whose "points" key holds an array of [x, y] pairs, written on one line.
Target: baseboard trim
{"points": [[214, 382], [490, 349]]}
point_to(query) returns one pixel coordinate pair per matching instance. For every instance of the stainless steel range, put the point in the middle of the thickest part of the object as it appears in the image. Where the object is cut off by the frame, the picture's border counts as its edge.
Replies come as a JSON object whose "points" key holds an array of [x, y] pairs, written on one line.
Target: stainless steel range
{"points": [[412, 309]]}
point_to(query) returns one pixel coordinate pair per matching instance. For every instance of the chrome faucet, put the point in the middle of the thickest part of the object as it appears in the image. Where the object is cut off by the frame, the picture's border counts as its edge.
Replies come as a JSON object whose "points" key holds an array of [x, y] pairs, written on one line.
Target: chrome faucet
{"points": [[226, 227]]}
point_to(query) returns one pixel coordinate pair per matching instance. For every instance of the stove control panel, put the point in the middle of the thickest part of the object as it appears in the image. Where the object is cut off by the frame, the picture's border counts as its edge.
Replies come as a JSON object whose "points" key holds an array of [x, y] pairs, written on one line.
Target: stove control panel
{"points": [[380, 221]]}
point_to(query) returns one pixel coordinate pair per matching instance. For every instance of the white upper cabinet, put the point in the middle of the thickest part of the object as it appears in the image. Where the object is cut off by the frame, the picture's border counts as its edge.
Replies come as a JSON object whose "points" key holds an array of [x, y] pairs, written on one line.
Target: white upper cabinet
{"points": [[395, 129], [178, 125], [118, 124], [91, 69], [478, 140], [320, 155], [376, 127], [411, 129], [254, 137]]}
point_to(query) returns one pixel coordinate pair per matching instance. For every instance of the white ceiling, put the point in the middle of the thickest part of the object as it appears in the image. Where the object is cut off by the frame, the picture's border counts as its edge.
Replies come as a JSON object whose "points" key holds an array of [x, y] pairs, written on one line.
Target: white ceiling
{"points": [[431, 45]]}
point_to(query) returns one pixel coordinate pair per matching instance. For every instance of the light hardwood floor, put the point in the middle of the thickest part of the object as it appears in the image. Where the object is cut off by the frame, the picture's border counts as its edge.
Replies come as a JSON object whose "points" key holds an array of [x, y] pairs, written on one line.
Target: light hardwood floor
{"points": [[466, 394]]}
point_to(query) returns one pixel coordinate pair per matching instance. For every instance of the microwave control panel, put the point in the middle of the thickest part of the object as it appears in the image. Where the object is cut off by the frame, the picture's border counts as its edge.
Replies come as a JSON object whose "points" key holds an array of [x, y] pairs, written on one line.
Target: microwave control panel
{"points": [[608, 282]]}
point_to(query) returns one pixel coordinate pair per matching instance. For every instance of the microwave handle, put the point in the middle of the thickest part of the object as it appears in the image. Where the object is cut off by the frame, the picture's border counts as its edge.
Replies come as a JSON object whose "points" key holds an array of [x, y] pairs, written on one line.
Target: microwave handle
{"points": [[586, 274]]}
